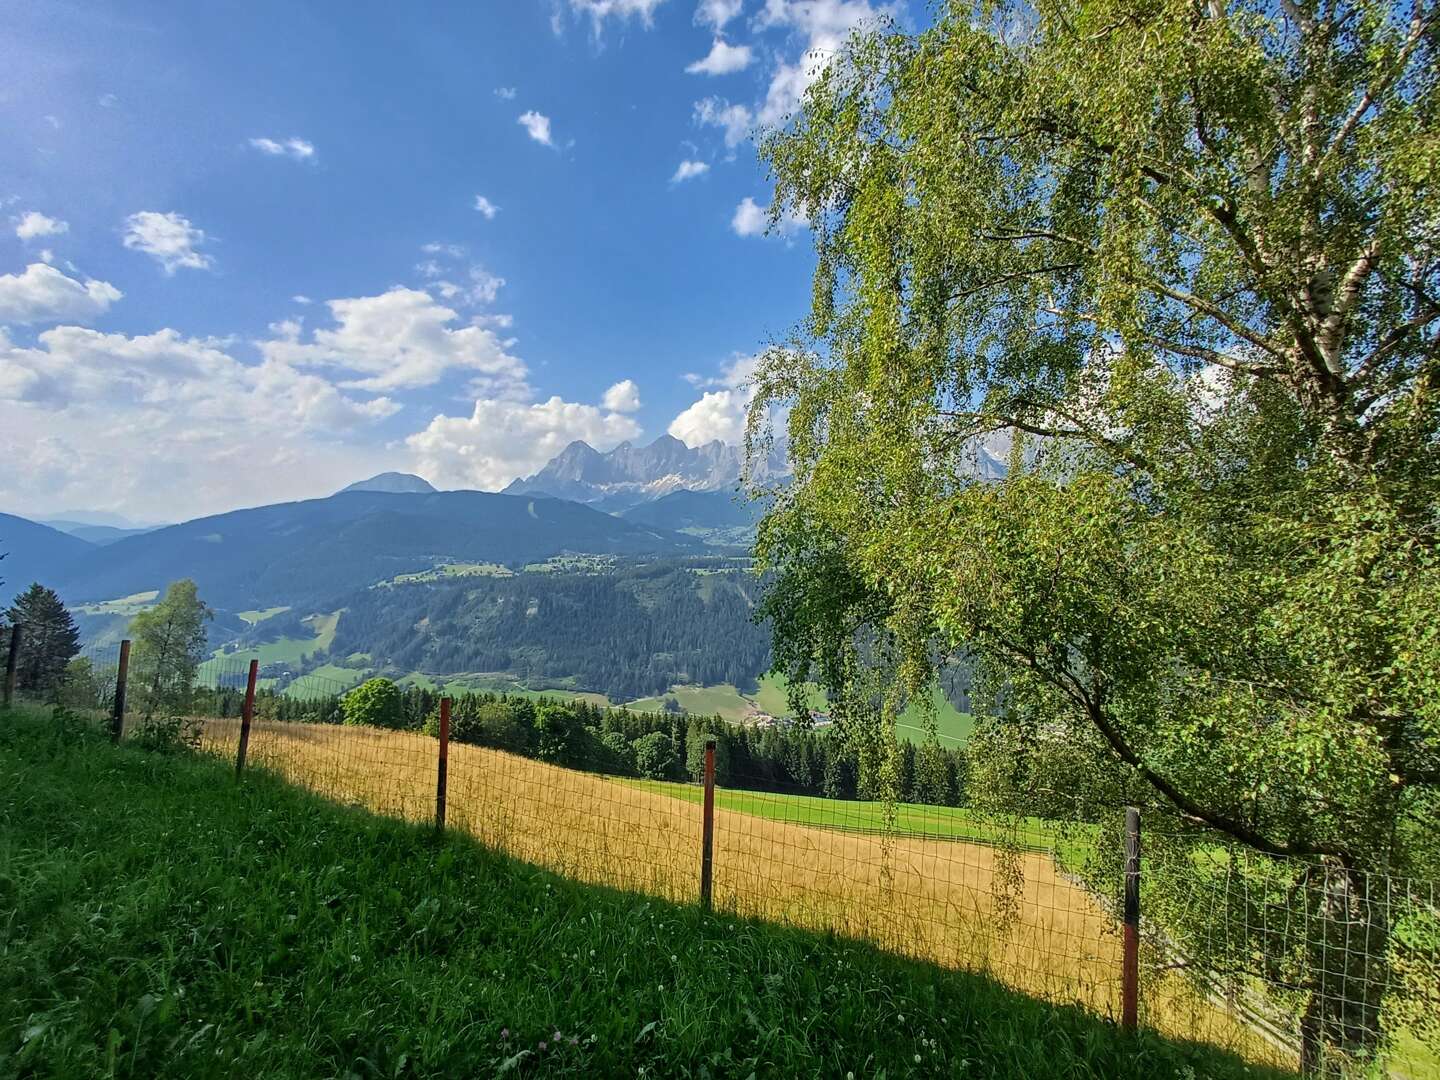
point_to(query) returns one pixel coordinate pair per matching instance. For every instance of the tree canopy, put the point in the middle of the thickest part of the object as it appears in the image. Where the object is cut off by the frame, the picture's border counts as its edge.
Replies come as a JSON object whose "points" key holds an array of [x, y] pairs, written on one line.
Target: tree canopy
{"points": [[1173, 269], [50, 639], [169, 644]]}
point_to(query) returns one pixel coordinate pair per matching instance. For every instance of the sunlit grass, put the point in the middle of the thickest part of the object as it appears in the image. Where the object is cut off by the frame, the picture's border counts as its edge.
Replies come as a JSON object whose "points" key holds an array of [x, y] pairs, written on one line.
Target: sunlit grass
{"points": [[159, 920]]}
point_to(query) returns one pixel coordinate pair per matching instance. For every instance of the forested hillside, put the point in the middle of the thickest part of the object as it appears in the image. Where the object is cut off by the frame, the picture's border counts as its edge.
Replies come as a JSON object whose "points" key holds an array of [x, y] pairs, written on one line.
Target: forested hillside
{"points": [[628, 631]]}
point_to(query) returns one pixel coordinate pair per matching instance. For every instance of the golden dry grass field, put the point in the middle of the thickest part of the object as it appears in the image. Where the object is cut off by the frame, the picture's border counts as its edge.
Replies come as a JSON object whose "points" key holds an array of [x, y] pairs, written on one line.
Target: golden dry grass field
{"points": [[1011, 915]]}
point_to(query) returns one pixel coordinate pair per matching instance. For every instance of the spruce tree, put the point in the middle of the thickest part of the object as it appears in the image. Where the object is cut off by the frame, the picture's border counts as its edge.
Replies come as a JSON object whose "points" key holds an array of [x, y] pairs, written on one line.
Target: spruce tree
{"points": [[50, 640]]}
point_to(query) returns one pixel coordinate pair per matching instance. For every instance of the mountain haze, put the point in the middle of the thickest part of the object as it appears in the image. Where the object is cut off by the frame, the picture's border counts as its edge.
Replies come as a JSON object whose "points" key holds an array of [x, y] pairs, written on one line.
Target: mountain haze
{"points": [[310, 551], [34, 552]]}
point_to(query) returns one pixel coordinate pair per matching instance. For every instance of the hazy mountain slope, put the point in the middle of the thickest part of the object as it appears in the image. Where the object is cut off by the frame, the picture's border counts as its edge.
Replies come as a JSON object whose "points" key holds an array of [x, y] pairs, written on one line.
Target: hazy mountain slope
{"points": [[34, 552], [393, 482], [296, 553], [99, 535], [696, 510]]}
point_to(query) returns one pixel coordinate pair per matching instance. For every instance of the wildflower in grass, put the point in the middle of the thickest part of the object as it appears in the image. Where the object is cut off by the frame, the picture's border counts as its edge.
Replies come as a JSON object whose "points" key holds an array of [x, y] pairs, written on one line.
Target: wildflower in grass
{"points": [[555, 1037], [505, 1033], [917, 1059]]}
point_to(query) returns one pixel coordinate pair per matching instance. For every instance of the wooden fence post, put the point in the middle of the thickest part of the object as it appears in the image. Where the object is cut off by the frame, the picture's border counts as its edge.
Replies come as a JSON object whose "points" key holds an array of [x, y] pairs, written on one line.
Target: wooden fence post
{"points": [[122, 672], [707, 835], [12, 662], [1130, 974], [247, 713], [443, 766]]}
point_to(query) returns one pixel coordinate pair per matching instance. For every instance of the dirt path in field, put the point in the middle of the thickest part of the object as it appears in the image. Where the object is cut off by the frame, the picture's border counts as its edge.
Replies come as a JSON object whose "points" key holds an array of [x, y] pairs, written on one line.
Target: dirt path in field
{"points": [[962, 905]]}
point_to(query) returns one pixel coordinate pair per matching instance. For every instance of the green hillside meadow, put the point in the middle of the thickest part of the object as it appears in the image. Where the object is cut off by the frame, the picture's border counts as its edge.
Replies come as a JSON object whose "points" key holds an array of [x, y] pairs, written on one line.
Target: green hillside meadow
{"points": [[158, 919]]}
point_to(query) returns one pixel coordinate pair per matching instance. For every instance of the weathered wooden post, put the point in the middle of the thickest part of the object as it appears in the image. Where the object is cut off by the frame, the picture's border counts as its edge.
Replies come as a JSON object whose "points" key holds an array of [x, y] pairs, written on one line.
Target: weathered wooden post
{"points": [[247, 713], [12, 662], [443, 767], [707, 836], [122, 672], [1130, 973]]}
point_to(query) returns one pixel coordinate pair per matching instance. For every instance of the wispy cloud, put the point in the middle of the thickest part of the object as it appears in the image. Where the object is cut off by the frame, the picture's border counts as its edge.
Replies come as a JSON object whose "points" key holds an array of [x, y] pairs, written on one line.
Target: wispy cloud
{"points": [[688, 170], [295, 148], [486, 207]]}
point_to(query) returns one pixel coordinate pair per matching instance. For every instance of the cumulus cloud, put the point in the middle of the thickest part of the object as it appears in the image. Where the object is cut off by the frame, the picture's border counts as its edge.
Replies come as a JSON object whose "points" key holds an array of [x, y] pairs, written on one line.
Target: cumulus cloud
{"points": [[33, 224], [404, 339], [752, 219], [723, 59], [502, 439], [688, 170], [486, 207], [43, 294], [295, 148], [168, 426], [717, 13], [168, 238], [623, 397], [720, 411], [537, 126], [734, 120]]}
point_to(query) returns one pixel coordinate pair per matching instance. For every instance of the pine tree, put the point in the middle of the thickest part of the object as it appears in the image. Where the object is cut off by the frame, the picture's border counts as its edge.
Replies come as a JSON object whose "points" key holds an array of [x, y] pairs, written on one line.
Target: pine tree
{"points": [[50, 639]]}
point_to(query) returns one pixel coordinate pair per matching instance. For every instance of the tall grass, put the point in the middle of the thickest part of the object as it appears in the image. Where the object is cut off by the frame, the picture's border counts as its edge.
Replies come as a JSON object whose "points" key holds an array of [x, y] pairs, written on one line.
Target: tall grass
{"points": [[159, 920]]}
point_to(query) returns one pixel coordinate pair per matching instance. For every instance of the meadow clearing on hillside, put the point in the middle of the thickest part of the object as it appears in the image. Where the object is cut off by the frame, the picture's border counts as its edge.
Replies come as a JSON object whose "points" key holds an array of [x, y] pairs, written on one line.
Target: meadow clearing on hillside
{"points": [[160, 920], [1013, 916]]}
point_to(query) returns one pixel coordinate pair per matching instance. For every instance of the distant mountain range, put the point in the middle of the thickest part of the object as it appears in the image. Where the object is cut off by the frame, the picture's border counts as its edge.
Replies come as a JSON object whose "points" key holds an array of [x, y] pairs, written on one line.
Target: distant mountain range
{"points": [[302, 552], [630, 475], [34, 552]]}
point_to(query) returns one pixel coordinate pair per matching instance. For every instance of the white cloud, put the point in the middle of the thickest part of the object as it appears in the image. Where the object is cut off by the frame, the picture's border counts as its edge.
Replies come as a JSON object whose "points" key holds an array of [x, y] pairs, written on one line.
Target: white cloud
{"points": [[501, 440], [43, 294], [486, 207], [623, 397], [294, 147], [107, 101], [169, 239], [824, 25], [723, 59], [717, 13], [301, 298], [435, 247], [167, 426], [735, 120], [688, 170], [405, 339], [33, 224], [600, 10], [752, 219], [536, 126], [505, 93], [720, 413]]}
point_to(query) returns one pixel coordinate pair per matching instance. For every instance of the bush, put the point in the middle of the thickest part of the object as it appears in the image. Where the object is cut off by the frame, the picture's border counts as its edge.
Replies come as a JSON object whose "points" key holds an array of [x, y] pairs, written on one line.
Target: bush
{"points": [[654, 756]]}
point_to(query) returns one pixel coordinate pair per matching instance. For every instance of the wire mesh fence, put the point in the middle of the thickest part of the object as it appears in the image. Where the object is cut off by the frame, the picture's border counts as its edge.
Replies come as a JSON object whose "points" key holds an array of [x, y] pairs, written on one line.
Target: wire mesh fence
{"points": [[1286, 961]]}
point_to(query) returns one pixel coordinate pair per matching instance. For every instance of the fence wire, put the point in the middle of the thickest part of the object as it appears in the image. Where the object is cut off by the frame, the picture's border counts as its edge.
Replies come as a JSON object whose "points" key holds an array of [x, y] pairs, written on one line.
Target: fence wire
{"points": [[1285, 961]]}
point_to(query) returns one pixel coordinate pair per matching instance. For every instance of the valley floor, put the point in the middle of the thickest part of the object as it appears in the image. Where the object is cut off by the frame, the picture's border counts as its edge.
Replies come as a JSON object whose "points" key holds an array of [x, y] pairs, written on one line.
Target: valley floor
{"points": [[159, 920]]}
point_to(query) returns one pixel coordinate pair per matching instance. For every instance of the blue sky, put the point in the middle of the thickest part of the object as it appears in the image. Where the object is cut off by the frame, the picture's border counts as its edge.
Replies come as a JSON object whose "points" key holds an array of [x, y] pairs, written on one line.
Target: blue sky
{"points": [[252, 251]]}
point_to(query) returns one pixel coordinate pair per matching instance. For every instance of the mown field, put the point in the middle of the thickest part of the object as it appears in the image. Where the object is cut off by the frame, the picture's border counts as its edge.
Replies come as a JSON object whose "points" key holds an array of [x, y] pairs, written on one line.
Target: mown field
{"points": [[1013, 916], [159, 920]]}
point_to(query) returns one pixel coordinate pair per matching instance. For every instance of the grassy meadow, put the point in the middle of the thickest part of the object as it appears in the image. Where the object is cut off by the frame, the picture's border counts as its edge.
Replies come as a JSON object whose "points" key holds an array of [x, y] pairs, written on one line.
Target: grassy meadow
{"points": [[159, 920], [1012, 916]]}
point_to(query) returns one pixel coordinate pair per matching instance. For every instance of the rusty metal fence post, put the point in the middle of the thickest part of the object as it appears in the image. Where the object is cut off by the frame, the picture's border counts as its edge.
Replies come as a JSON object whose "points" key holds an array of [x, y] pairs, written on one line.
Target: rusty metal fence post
{"points": [[12, 662], [247, 713], [443, 765], [1130, 973], [122, 672], [707, 835]]}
